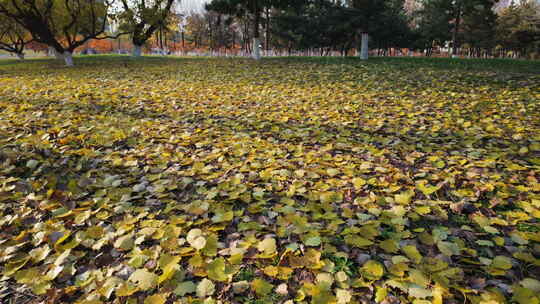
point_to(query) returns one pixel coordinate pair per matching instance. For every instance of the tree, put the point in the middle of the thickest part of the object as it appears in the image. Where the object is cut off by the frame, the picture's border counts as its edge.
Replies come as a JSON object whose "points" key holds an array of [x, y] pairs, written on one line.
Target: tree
{"points": [[307, 25], [334, 24], [479, 16], [62, 25], [210, 29], [434, 23], [518, 27], [246, 9], [142, 18], [393, 27], [440, 21], [478, 26], [13, 37], [366, 13]]}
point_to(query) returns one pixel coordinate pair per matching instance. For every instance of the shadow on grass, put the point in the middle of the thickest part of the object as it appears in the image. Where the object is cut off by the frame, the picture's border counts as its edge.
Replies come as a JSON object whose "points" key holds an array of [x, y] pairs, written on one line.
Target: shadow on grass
{"points": [[401, 63], [498, 65]]}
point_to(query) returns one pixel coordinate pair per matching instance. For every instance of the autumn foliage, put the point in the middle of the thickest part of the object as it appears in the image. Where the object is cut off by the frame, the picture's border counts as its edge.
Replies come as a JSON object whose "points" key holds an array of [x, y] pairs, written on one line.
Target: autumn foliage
{"points": [[286, 181]]}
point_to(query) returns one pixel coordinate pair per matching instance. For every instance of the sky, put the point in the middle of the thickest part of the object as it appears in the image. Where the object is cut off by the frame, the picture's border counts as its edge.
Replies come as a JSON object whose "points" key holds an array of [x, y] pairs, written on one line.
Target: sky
{"points": [[192, 4], [198, 5]]}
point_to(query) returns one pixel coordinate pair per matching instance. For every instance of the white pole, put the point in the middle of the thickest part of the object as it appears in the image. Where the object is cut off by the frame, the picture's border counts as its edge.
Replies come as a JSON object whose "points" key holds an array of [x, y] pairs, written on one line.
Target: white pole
{"points": [[137, 51], [364, 48], [68, 58], [256, 49]]}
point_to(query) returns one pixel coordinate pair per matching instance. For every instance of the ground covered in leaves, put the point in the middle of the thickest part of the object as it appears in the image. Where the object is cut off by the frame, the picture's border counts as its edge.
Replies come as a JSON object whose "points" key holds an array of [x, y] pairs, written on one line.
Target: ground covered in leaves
{"points": [[290, 180]]}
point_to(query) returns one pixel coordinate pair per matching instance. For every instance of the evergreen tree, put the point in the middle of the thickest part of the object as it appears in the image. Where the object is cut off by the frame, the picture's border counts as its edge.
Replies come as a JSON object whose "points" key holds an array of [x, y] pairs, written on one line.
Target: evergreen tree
{"points": [[518, 27], [479, 25]]}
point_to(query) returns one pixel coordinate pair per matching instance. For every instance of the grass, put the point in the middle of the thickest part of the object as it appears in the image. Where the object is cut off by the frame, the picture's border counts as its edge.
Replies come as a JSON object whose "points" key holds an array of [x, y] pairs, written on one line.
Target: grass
{"points": [[122, 179]]}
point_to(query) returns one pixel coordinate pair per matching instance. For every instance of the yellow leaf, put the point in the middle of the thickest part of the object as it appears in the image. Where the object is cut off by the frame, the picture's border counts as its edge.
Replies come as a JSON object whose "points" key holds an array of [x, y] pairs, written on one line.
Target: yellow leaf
{"points": [[267, 246], [144, 279], [156, 299], [358, 182], [404, 198], [372, 270]]}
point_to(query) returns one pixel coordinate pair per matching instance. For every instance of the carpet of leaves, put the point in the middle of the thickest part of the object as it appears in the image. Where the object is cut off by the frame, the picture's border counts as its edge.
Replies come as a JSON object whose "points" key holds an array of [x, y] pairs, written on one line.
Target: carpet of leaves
{"points": [[285, 181]]}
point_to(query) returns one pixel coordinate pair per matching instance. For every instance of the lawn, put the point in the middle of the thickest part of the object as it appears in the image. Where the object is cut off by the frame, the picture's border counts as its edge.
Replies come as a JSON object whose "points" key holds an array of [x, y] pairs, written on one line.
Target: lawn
{"points": [[197, 180]]}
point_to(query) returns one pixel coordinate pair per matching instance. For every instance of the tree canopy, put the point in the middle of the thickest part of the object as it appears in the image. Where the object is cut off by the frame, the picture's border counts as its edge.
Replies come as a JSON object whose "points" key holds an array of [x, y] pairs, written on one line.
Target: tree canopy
{"points": [[62, 25], [470, 28]]}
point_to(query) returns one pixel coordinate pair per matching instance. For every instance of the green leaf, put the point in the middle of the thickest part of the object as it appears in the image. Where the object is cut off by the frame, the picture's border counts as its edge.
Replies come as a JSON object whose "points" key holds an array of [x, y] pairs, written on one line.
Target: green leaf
{"points": [[223, 217], [357, 241], [12, 267], [389, 246], [417, 277], [216, 270], [412, 253], [331, 197], [32, 164], [419, 292], [524, 296], [125, 242], [372, 270], [210, 249], [261, 287], [27, 276], [313, 241], [502, 262], [448, 248], [185, 288], [531, 284]]}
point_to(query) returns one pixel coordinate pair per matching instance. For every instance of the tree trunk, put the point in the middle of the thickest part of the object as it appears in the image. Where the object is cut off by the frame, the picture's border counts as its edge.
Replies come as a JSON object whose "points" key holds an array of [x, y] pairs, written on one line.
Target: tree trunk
{"points": [[20, 56], [364, 47], [57, 54], [137, 51], [267, 35], [68, 58], [256, 49], [183, 43], [161, 40], [256, 31], [456, 31], [233, 39]]}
